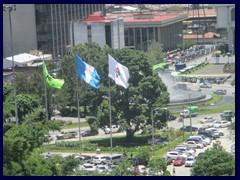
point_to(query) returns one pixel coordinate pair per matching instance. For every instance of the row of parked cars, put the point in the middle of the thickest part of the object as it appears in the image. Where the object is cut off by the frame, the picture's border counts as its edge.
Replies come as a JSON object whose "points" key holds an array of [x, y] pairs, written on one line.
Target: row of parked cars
{"points": [[185, 154]]}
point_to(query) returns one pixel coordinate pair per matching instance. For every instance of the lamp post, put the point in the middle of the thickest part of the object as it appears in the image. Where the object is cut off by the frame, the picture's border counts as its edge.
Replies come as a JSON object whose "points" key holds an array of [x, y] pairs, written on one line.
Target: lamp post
{"points": [[10, 8]]}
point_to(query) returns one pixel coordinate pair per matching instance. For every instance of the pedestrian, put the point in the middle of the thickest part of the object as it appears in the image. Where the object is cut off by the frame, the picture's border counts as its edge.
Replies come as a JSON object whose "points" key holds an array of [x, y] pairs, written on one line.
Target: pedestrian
{"points": [[131, 155], [174, 172]]}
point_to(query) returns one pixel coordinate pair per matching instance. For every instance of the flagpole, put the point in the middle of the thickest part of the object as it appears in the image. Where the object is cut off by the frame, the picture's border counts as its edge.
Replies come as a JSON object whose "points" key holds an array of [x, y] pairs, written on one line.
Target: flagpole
{"points": [[110, 115], [45, 90], [79, 129]]}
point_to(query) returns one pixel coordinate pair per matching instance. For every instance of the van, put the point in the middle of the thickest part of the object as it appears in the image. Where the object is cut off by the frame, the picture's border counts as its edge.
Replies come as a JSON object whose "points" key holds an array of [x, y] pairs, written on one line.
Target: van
{"points": [[115, 158]]}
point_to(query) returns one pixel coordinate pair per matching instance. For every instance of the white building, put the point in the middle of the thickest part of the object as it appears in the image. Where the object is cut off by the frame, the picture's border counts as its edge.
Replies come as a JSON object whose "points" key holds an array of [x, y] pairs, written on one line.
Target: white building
{"points": [[226, 21]]}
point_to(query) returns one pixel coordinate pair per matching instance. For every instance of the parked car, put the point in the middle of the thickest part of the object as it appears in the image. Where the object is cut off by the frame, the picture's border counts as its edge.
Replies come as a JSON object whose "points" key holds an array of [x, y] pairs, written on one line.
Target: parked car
{"points": [[179, 161], [167, 159], [101, 168], [216, 131], [206, 140], [183, 145], [173, 154], [87, 167], [197, 140], [115, 128], [209, 134], [221, 124], [171, 117], [186, 149], [188, 128], [207, 119], [99, 160], [190, 161], [158, 141], [85, 158], [220, 91], [206, 85], [66, 135], [141, 168], [89, 133], [228, 112], [194, 144]]}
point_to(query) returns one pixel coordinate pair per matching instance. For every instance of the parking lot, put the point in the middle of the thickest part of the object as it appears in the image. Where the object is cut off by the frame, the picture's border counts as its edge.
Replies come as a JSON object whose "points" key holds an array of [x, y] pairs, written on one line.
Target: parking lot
{"points": [[225, 141]]}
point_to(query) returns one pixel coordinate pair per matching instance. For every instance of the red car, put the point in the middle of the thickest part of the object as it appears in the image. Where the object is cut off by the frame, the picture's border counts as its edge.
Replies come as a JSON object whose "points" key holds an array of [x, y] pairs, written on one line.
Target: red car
{"points": [[179, 161]]}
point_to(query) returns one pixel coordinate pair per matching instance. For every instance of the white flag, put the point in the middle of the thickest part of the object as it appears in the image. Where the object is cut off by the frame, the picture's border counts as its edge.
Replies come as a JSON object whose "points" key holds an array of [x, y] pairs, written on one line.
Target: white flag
{"points": [[118, 72]]}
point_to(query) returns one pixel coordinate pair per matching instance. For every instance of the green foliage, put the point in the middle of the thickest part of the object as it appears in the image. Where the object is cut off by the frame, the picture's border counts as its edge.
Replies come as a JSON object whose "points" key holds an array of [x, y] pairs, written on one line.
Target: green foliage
{"points": [[26, 103], [93, 123], [215, 162], [143, 155], [122, 169], [155, 54], [157, 165]]}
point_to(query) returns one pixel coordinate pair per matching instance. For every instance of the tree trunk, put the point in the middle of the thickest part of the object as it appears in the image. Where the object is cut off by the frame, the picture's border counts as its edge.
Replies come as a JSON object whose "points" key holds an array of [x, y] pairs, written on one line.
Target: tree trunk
{"points": [[129, 135]]}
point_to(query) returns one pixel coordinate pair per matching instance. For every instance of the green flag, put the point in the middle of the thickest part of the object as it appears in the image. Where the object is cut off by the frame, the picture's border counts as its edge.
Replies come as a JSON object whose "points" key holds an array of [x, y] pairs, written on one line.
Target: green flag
{"points": [[56, 83]]}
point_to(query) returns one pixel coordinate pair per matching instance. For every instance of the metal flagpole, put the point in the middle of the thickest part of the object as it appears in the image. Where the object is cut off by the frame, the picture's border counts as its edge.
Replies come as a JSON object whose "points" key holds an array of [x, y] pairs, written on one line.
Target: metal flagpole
{"points": [[79, 129], [45, 90], [110, 115]]}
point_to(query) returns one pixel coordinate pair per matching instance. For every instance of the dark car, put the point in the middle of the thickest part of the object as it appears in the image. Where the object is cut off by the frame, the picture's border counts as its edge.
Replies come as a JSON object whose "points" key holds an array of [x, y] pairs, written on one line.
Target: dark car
{"points": [[207, 133], [167, 159], [89, 133], [220, 91], [188, 128], [85, 158], [171, 117]]}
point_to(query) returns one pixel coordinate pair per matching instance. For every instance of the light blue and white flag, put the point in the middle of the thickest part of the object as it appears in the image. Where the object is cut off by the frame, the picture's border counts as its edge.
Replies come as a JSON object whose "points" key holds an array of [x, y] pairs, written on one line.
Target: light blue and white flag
{"points": [[87, 73]]}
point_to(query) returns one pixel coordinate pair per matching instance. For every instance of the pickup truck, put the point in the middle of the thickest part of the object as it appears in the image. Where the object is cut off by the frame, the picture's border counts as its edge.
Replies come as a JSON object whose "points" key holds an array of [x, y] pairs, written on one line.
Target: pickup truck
{"points": [[186, 113], [115, 128], [193, 110]]}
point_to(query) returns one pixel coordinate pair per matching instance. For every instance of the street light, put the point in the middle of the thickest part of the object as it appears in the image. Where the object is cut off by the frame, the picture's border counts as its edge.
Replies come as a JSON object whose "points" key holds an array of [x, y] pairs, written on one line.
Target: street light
{"points": [[10, 8]]}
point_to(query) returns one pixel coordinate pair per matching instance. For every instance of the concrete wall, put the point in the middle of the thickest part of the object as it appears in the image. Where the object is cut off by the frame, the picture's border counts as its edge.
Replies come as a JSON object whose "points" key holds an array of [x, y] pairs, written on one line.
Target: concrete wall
{"points": [[117, 35], [98, 33], [80, 33], [23, 30]]}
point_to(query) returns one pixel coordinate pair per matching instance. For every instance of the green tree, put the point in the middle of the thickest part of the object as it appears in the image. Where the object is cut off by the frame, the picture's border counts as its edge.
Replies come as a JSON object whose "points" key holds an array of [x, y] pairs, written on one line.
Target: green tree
{"points": [[155, 54], [123, 169], [131, 107], [157, 165], [214, 162], [143, 155]]}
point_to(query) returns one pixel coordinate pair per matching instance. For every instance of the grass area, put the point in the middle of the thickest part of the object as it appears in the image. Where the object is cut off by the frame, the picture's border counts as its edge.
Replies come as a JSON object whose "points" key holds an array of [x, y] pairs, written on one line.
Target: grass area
{"points": [[195, 70], [219, 109], [74, 125], [122, 142]]}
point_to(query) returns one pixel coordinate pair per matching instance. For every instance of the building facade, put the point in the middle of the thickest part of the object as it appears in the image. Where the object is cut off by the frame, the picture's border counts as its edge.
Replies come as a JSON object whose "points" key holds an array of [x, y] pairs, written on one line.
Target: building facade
{"points": [[226, 23], [44, 26], [100, 30], [130, 31], [24, 34], [141, 30]]}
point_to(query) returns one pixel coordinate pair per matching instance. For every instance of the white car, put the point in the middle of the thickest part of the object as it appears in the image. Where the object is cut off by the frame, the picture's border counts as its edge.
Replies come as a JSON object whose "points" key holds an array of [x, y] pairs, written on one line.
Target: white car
{"points": [[173, 154], [142, 168], [212, 123], [87, 167], [101, 168], [99, 160], [214, 130], [194, 144], [190, 161], [221, 124], [207, 119], [206, 140], [115, 128], [186, 149]]}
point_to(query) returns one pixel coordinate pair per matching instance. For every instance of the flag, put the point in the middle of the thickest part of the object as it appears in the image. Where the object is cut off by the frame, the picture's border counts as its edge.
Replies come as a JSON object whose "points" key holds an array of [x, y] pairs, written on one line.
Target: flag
{"points": [[118, 72], [87, 73], [56, 83]]}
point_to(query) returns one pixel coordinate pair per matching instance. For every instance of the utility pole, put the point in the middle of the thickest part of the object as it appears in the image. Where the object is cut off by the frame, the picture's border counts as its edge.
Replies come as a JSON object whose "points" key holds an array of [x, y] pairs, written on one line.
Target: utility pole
{"points": [[190, 114]]}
